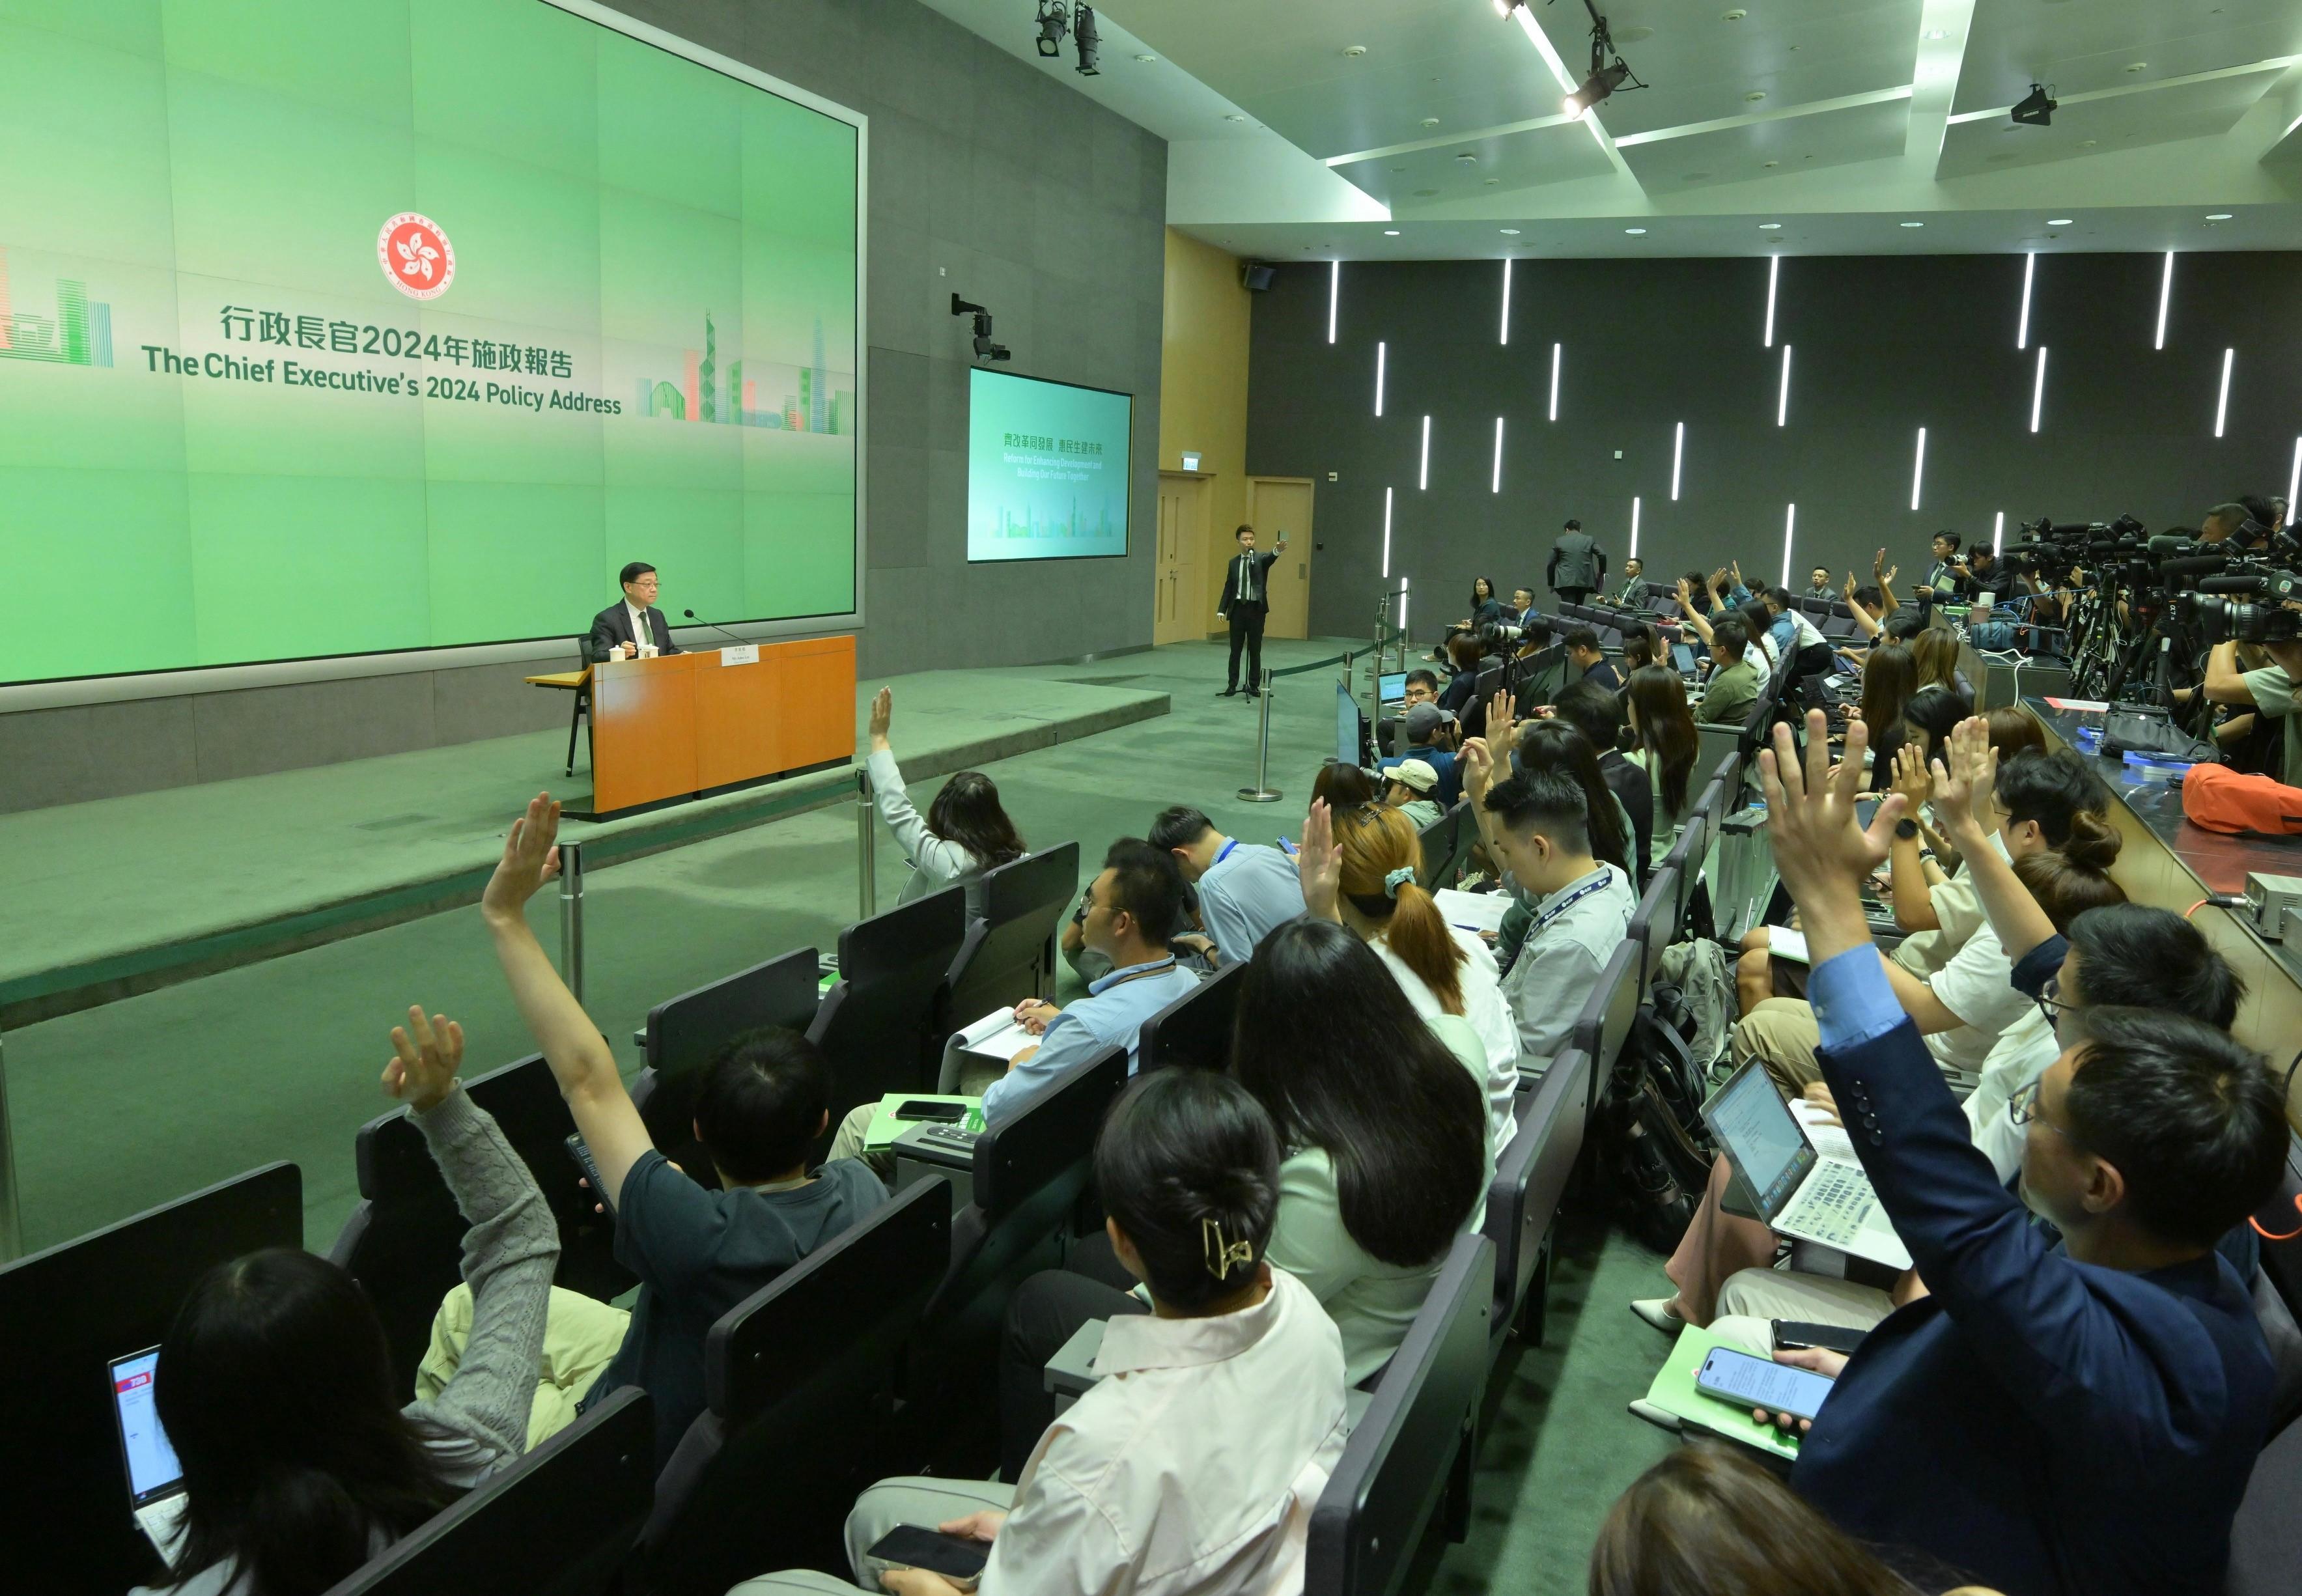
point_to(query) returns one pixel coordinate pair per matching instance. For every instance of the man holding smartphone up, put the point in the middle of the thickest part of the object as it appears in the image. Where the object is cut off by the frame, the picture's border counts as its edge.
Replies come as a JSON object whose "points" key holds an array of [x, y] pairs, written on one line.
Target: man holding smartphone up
{"points": [[2072, 1416]]}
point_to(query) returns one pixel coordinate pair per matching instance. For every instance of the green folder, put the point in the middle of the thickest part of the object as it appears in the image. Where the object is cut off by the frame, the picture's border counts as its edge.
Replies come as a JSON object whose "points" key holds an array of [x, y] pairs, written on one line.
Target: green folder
{"points": [[885, 1127], [1674, 1391]]}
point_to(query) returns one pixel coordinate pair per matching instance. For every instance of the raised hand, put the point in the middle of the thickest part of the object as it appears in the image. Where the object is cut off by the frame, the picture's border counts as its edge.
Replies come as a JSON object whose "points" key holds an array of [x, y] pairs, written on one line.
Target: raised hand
{"points": [[1320, 863], [1910, 779], [1685, 593], [1963, 783], [1879, 564], [426, 1054], [1734, 568], [1849, 589], [883, 715], [1886, 577], [1502, 719], [1719, 579], [1478, 767], [1821, 850], [530, 859]]}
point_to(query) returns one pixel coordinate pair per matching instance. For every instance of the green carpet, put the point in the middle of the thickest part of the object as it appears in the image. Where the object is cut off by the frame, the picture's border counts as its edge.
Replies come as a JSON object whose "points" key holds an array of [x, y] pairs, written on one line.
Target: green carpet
{"points": [[127, 1105]]}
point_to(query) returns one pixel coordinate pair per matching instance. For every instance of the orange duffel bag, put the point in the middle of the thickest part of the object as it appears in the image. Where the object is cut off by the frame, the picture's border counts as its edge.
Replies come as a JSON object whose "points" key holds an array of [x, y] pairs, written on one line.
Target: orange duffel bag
{"points": [[2221, 799]]}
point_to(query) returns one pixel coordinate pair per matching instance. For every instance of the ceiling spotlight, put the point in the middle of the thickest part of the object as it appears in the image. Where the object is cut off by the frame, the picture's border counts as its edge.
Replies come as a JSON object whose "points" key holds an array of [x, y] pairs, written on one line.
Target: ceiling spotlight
{"points": [[1146, 58], [2058, 221], [2218, 216], [1090, 41], [1234, 117], [1770, 227], [1055, 21], [1390, 232], [2037, 108], [1635, 231], [1510, 232], [1913, 225], [1503, 8], [1604, 77]]}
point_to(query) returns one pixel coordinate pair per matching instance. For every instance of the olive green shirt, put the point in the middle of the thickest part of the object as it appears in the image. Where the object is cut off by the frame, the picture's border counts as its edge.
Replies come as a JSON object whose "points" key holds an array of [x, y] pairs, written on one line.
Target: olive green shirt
{"points": [[1727, 700]]}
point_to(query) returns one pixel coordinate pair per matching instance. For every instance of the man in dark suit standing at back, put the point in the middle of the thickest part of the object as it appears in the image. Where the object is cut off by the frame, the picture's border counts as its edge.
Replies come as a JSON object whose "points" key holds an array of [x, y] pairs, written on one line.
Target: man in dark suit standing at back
{"points": [[1246, 600], [619, 631], [1578, 564]]}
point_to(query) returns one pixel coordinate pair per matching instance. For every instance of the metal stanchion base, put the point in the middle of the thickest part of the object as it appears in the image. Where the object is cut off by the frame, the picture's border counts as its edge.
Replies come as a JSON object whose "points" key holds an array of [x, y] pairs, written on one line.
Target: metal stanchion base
{"points": [[1260, 795]]}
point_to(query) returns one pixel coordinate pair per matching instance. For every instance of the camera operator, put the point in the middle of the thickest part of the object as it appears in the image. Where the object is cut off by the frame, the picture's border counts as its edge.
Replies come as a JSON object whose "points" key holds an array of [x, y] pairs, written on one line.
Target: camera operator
{"points": [[2268, 692]]}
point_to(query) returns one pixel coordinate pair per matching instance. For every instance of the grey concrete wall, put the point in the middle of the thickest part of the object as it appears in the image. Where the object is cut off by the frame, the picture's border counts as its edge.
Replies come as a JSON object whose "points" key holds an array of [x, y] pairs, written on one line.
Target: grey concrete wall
{"points": [[1882, 346], [986, 178]]}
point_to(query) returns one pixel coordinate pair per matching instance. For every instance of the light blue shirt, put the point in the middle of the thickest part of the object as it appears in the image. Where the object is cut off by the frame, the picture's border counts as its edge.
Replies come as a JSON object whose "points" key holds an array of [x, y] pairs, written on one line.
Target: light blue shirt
{"points": [[1853, 1001], [1111, 1015], [1249, 892]]}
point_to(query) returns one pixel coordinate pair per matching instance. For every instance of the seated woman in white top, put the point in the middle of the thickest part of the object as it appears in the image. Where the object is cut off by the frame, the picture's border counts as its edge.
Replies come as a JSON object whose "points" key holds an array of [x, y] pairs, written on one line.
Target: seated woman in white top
{"points": [[965, 834], [1448, 973], [1664, 729], [1192, 1465]]}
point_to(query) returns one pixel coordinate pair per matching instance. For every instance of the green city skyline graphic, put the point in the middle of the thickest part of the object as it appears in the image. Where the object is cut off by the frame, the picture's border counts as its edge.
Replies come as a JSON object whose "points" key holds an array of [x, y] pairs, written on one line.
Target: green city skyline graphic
{"points": [[79, 333]]}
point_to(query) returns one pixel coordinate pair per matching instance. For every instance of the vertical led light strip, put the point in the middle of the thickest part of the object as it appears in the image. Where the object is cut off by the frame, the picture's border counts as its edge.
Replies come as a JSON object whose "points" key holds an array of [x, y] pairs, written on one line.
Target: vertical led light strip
{"points": [[1554, 382], [1635, 526], [1790, 521], [1506, 266], [1919, 468], [2023, 327], [1402, 605], [1678, 454], [1334, 295], [2222, 402], [1422, 471], [1497, 486], [2165, 297], [2294, 481], [1783, 399], [1379, 352], [1386, 532], [2039, 389], [1998, 535], [1774, 270]]}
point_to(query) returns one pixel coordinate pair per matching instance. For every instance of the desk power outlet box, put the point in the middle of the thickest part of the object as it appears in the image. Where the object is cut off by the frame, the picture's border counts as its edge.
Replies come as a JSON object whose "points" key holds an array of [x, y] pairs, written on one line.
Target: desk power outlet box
{"points": [[2268, 900]]}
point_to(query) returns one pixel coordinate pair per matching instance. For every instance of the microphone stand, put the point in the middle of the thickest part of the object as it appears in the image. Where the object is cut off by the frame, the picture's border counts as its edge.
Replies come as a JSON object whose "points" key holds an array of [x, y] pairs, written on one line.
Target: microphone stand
{"points": [[716, 626]]}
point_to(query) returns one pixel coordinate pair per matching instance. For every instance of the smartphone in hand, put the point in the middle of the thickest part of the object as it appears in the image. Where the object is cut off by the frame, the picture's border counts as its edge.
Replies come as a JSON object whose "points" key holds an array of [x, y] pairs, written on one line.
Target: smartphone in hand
{"points": [[958, 1558], [581, 1155]]}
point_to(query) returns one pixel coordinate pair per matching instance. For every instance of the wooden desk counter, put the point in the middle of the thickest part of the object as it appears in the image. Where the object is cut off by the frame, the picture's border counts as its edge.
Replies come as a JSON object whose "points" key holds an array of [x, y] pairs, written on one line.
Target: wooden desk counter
{"points": [[681, 725]]}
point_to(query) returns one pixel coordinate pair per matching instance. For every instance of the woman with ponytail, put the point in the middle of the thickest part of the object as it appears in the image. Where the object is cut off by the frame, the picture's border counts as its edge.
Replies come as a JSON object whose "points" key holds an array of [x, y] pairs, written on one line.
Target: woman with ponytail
{"points": [[275, 1387], [1447, 973], [1194, 1464]]}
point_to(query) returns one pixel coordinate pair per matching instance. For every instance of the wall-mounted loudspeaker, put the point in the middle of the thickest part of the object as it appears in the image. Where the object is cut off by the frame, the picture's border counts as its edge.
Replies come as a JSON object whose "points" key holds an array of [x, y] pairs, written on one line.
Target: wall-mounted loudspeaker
{"points": [[1255, 277]]}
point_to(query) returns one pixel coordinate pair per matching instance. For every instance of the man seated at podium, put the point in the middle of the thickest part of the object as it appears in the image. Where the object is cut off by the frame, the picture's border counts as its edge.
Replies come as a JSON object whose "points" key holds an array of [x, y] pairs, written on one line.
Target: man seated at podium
{"points": [[620, 631]]}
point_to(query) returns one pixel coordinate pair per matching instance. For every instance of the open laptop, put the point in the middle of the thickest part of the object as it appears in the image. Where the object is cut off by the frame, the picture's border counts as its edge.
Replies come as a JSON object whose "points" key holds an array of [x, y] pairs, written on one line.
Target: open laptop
{"points": [[155, 1481], [1798, 1191], [1682, 657], [1391, 688]]}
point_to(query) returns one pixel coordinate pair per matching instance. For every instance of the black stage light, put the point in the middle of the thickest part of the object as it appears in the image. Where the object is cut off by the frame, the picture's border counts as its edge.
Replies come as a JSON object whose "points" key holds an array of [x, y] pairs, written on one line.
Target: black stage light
{"points": [[2037, 109], [1089, 42], [1055, 21], [1602, 82]]}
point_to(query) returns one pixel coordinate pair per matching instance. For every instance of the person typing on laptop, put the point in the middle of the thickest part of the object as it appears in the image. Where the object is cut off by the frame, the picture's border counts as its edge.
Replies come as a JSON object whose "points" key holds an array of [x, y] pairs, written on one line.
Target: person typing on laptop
{"points": [[2080, 1416]]}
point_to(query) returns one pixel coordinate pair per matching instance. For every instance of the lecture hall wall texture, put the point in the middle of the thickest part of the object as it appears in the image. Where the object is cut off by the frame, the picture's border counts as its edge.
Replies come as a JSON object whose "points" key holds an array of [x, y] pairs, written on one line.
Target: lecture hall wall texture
{"points": [[1881, 346]]}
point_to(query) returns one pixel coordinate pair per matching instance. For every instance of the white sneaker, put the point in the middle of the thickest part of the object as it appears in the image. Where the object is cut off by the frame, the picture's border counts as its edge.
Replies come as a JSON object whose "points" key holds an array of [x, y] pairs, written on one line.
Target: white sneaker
{"points": [[1656, 1311]]}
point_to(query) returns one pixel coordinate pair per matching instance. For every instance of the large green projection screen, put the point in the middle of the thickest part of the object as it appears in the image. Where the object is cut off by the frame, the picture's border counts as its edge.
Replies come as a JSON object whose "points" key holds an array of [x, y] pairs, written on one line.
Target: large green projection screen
{"points": [[368, 325]]}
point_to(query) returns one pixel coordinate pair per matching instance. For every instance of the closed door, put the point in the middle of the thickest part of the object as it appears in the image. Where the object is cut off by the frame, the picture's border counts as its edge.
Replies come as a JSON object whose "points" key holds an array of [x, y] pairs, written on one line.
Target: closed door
{"points": [[1277, 505], [1178, 600]]}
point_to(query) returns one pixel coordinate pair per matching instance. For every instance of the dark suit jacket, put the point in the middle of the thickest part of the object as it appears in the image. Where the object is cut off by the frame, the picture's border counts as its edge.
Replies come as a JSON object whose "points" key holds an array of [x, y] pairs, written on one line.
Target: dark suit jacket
{"points": [[613, 625], [1635, 789], [1258, 586], [2041, 1425]]}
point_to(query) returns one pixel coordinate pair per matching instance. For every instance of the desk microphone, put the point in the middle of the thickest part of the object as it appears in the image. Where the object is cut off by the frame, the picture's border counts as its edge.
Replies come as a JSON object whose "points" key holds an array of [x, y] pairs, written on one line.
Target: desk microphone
{"points": [[715, 625]]}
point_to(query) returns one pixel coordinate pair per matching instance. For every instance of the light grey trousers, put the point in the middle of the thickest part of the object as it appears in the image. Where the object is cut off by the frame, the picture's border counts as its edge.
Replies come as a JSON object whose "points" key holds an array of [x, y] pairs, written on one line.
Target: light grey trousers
{"points": [[916, 1500]]}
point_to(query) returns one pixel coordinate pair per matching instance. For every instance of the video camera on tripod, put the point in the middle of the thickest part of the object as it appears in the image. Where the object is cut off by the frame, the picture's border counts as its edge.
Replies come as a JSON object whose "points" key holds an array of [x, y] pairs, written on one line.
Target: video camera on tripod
{"points": [[2261, 615], [2053, 551]]}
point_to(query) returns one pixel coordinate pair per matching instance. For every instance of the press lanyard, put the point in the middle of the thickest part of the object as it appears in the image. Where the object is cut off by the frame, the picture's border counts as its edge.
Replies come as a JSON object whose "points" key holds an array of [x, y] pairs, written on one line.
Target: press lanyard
{"points": [[1225, 853], [1595, 884]]}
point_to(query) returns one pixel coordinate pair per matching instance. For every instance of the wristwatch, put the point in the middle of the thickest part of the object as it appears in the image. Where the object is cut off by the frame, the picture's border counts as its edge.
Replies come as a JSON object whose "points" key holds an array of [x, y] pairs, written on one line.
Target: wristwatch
{"points": [[1906, 828]]}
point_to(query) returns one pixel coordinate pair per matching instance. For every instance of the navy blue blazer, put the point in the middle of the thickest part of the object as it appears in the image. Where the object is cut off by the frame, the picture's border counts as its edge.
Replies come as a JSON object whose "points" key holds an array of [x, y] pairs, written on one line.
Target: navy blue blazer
{"points": [[2041, 1425]]}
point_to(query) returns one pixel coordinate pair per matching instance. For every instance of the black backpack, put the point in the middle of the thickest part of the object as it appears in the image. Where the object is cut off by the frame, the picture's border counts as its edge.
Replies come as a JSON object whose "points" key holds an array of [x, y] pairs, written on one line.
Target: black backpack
{"points": [[1653, 1147]]}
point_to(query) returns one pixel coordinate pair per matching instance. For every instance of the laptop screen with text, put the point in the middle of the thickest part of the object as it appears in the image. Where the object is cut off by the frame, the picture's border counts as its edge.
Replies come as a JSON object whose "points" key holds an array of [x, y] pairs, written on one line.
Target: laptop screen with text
{"points": [[1756, 1127], [152, 1470]]}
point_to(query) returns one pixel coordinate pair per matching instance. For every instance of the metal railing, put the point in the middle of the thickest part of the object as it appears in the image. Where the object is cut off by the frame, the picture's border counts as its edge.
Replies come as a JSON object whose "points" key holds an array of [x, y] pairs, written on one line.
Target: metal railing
{"points": [[571, 917], [1263, 792], [866, 851]]}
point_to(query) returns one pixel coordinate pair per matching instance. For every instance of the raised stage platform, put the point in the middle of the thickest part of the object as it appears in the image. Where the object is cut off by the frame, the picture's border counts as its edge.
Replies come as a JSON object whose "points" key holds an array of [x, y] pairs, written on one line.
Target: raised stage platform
{"points": [[123, 895]]}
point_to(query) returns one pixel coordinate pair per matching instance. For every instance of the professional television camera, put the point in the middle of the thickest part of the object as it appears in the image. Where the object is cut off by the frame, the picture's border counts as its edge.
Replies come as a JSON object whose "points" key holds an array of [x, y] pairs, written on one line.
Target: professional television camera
{"points": [[2260, 616]]}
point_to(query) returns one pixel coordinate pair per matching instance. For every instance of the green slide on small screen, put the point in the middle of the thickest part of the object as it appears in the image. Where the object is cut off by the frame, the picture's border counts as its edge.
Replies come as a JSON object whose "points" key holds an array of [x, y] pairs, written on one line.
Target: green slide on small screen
{"points": [[371, 325], [1047, 466]]}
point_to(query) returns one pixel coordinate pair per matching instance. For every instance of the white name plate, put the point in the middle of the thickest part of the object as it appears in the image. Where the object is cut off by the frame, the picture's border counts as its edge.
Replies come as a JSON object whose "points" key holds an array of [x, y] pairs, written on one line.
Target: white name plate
{"points": [[741, 654]]}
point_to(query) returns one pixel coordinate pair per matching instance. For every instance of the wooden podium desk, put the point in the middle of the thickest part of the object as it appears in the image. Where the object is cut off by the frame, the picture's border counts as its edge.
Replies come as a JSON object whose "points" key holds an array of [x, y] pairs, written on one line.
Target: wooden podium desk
{"points": [[685, 725]]}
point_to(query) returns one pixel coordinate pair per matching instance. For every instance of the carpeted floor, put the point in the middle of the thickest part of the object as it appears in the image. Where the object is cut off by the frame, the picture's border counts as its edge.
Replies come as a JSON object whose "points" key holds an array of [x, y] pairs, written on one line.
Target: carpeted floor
{"points": [[126, 1105]]}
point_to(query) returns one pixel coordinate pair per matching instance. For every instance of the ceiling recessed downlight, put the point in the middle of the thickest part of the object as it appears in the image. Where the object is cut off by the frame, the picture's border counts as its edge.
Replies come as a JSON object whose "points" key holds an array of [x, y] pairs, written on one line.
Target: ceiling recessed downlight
{"points": [[1913, 225], [1936, 33], [1634, 231], [1390, 232], [1234, 117], [2218, 216], [1355, 51], [1430, 121], [2059, 222], [1770, 227], [1510, 232], [1756, 95], [1146, 58]]}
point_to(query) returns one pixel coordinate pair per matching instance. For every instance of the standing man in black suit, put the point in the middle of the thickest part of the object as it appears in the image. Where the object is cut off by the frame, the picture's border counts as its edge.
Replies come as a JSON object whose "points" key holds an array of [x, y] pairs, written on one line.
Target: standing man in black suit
{"points": [[618, 630], [1246, 600]]}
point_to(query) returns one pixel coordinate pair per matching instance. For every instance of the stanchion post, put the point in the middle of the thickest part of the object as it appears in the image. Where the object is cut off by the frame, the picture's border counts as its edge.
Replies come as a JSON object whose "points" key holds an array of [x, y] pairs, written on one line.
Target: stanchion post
{"points": [[571, 917], [1263, 792], [866, 851], [12, 1227]]}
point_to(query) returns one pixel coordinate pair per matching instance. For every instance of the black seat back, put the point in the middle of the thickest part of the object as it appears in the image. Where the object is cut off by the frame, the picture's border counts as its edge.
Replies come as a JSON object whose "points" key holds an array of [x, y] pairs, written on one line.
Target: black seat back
{"points": [[1436, 841], [685, 1033], [1029, 1173], [1530, 1178], [404, 1243], [1195, 1028], [1411, 1447], [1010, 953], [1604, 1024], [879, 1024], [1655, 922], [2265, 1541], [559, 1521], [800, 1378], [65, 1314]]}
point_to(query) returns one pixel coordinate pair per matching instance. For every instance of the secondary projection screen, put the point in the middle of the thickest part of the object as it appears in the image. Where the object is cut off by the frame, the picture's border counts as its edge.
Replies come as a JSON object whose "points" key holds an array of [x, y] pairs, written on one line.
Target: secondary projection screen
{"points": [[1048, 467], [372, 325]]}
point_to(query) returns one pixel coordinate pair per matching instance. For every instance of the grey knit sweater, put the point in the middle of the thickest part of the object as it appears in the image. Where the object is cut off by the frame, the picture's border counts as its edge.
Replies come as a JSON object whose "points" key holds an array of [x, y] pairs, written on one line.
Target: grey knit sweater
{"points": [[478, 1424]]}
